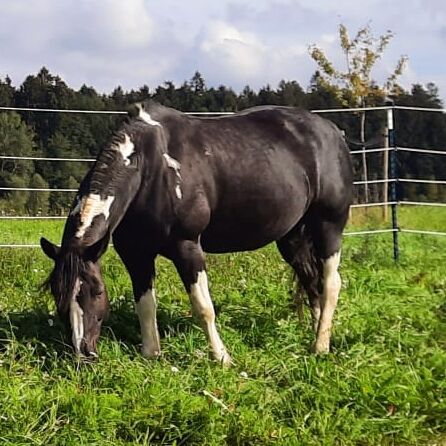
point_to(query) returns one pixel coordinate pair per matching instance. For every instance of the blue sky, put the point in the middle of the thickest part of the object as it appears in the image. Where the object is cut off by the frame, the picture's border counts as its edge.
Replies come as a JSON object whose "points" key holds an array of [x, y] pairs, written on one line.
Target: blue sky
{"points": [[105, 43]]}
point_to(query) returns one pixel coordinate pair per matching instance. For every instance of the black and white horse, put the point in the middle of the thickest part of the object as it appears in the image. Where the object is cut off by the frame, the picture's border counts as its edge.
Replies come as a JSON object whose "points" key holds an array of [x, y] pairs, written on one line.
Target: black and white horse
{"points": [[179, 186]]}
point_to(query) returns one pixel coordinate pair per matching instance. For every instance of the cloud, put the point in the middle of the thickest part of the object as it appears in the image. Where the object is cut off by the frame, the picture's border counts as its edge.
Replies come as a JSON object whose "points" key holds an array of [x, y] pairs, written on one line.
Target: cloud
{"points": [[234, 53], [228, 54], [108, 26], [106, 43]]}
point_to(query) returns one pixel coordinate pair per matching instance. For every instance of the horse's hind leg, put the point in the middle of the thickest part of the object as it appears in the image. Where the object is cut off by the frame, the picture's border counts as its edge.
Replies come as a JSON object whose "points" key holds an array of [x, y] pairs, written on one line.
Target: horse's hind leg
{"points": [[327, 240], [330, 296], [297, 252], [313, 250]]}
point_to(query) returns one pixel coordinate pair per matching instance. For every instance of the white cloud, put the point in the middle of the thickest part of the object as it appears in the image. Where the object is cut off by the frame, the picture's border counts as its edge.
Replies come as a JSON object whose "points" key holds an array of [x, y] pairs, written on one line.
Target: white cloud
{"points": [[232, 42], [110, 25], [236, 53], [231, 55]]}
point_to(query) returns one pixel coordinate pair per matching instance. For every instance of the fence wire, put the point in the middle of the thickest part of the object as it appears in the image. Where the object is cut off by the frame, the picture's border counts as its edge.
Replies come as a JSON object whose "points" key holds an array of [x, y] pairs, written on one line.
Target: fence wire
{"points": [[367, 151]]}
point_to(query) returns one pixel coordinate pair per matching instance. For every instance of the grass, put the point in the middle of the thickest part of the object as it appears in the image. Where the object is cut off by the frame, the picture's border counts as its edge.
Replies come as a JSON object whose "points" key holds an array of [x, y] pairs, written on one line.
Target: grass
{"points": [[383, 384]]}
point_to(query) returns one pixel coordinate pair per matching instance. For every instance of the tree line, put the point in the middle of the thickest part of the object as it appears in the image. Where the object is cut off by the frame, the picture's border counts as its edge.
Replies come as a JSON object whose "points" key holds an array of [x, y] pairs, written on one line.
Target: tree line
{"points": [[62, 135]]}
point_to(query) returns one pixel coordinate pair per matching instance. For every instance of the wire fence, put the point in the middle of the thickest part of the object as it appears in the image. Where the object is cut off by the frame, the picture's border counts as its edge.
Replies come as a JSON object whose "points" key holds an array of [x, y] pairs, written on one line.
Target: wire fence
{"points": [[391, 182]]}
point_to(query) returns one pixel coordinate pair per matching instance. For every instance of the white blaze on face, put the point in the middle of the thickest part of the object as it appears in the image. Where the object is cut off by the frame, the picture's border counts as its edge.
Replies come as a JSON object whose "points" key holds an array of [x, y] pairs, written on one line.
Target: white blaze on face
{"points": [[90, 207], [125, 148], [76, 318], [142, 114]]}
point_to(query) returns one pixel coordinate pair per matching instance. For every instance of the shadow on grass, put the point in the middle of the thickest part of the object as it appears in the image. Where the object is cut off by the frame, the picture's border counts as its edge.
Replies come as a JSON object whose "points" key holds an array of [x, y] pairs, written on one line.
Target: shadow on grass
{"points": [[123, 324], [47, 332]]}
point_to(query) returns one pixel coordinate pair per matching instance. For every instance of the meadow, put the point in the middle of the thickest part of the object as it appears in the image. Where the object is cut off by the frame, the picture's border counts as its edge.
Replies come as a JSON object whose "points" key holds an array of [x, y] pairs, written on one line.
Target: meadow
{"points": [[384, 383]]}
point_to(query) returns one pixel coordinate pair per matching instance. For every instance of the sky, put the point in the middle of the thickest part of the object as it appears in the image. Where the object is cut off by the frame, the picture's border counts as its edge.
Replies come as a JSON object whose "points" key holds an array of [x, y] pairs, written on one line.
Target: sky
{"points": [[131, 43]]}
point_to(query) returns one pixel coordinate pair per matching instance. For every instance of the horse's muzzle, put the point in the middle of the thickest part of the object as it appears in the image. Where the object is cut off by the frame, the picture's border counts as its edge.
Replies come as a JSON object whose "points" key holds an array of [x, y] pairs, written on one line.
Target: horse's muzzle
{"points": [[88, 351]]}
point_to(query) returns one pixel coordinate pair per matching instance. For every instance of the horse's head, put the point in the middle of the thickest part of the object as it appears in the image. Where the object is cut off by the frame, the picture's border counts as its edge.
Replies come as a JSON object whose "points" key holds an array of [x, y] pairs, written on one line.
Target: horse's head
{"points": [[79, 290]]}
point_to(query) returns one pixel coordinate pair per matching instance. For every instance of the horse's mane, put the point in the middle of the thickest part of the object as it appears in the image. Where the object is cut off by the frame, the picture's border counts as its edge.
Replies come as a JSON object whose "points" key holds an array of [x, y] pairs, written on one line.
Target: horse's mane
{"points": [[62, 280]]}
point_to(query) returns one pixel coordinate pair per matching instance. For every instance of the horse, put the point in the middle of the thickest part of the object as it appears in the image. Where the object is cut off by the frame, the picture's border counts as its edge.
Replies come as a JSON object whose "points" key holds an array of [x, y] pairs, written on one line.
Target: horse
{"points": [[178, 186]]}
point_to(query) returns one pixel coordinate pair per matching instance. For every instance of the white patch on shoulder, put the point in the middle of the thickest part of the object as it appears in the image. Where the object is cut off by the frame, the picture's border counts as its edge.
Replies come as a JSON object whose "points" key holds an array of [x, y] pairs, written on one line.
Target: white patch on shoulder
{"points": [[90, 207], [173, 164], [76, 318], [125, 148], [142, 114], [176, 166]]}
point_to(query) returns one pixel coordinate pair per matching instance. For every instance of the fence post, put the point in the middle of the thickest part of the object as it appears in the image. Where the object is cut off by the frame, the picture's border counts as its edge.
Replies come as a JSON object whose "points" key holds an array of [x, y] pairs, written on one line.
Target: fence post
{"points": [[393, 184]]}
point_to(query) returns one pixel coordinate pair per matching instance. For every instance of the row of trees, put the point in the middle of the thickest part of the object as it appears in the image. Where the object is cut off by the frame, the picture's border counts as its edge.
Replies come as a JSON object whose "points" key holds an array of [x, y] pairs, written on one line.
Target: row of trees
{"points": [[65, 135]]}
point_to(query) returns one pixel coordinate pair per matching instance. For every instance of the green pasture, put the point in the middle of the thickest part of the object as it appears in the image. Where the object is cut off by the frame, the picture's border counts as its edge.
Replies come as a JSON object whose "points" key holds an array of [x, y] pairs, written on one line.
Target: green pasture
{"points": [[384, 383]]}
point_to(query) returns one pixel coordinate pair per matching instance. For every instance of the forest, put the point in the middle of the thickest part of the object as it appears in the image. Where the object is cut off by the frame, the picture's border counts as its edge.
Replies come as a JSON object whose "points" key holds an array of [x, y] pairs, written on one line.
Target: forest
{"points": [[63, 135]]}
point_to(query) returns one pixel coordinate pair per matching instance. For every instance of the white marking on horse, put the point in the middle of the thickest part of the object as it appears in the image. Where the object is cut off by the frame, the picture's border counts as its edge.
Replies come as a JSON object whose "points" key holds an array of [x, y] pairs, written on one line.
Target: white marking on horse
{"points": [[91, 206], [329, 300], [173, 164], [142, 114], [178, 191], [125, 148], [146, 311], [203, 308], [176, 166], [76, 318]]}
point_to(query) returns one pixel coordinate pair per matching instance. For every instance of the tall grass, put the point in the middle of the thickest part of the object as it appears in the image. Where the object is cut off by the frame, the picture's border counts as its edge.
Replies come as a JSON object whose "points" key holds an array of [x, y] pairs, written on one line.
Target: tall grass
{"points": [[383, 384]]}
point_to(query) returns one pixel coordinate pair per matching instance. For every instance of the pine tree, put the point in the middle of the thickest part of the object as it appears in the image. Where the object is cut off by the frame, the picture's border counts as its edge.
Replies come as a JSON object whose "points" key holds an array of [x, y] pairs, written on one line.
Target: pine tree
{"points": [[38, 201], [16, 139]]}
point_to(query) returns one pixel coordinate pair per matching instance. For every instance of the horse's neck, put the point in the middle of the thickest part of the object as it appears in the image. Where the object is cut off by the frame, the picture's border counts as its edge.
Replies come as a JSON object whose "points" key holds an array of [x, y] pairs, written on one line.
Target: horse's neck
{"points": [[113, 185], [100, 204], [155, 196]]}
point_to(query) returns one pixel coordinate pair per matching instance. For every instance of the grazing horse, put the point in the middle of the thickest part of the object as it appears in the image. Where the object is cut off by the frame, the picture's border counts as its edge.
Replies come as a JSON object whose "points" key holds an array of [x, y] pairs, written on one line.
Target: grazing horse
{"points": [[175, 185]]}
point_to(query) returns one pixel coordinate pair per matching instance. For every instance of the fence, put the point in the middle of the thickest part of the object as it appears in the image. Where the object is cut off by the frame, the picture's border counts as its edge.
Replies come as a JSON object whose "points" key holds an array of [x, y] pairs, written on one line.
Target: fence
{"points": [[391, 181]]}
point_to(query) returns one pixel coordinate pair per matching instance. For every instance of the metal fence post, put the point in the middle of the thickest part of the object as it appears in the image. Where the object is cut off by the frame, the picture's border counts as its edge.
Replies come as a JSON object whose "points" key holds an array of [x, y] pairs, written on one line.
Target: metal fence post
{"points": [[394, 183]]}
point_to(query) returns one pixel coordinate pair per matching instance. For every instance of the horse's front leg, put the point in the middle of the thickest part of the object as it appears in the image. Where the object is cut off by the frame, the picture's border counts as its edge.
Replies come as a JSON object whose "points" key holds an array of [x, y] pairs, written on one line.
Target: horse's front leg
{"points": [[141, 268], [146, 310], [145, 304], [190, 263]]}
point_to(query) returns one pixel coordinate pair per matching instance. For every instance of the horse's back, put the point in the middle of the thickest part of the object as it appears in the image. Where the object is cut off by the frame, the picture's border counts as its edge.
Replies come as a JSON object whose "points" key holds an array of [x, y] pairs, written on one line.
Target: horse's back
{"points": [[247, 179], [259, 171]]}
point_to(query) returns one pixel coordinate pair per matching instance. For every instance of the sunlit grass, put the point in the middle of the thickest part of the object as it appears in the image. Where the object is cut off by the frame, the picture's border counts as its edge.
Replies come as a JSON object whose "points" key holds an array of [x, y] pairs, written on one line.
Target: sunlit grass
{"points": [[383, 384]]}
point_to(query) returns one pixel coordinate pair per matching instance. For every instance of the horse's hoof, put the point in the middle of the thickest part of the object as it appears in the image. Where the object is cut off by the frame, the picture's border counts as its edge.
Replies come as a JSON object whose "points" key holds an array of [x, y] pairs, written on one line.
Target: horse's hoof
{"points": [[150, 354], [320, 348], [225, 360]]}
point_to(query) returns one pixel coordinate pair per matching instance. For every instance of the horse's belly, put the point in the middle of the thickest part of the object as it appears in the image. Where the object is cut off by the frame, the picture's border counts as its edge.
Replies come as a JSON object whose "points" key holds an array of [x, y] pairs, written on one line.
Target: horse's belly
{"points": [[246, 232], [220, 243]]}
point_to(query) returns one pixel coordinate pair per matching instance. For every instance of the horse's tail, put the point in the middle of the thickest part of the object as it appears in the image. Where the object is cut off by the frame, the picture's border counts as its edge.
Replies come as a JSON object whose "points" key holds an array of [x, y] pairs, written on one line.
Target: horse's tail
{"points": [[307, 265]]}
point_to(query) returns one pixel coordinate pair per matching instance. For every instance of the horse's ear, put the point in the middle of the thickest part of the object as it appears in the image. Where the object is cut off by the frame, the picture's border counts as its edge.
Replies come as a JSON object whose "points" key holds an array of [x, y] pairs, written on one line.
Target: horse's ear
{"points": [[94, 251], [50, 249]]}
